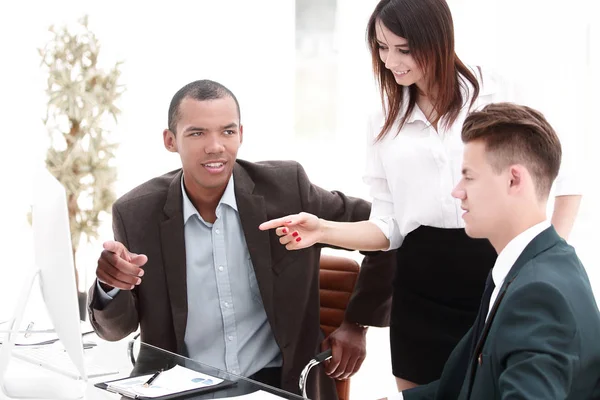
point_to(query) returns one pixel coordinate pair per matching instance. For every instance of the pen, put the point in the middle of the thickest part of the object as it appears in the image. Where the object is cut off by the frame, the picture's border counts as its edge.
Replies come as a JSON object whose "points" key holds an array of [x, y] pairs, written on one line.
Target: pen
{"points": [[152, 378], [28, 330]]}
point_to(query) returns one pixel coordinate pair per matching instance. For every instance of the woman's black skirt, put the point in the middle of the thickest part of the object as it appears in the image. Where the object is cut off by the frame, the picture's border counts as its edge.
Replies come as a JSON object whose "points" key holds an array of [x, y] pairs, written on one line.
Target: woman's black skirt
{"points": [[438, 286]]}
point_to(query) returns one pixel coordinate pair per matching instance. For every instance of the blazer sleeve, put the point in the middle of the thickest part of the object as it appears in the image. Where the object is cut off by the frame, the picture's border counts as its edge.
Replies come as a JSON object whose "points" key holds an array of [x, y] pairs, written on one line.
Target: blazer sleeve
{"points": [[119, 317], [536, 344], [370, 303], [423, 392]]}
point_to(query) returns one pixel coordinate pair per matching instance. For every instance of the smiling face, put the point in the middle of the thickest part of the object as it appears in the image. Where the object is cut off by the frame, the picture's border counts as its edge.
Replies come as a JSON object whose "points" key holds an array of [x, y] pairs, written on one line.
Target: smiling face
{"points": [[396, 56], [208, 138]]}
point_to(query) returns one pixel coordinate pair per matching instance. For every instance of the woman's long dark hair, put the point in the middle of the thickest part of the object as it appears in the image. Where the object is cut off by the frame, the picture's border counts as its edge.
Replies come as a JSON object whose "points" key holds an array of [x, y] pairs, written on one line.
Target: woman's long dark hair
{"points": [[428, 28]]}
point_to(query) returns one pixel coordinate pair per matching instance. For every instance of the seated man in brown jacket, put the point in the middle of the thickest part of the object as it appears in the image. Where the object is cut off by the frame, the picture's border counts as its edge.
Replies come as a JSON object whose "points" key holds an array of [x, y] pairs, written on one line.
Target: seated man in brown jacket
{"points": [[189, 266]]}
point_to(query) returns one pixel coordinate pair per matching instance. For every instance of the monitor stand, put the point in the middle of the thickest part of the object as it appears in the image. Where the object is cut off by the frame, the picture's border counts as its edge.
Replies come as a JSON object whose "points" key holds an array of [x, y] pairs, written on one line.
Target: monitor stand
{"points": [[32, 382]]}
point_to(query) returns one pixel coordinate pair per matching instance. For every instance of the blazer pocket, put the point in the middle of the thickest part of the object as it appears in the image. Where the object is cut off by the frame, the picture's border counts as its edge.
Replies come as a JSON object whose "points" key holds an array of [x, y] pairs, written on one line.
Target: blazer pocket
{"points": [[254, 289], [284, 262]]}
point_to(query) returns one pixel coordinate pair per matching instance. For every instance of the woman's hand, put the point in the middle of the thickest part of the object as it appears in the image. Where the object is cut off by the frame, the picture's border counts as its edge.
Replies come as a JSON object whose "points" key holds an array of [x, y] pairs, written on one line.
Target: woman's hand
{"points": [[297, 231]]}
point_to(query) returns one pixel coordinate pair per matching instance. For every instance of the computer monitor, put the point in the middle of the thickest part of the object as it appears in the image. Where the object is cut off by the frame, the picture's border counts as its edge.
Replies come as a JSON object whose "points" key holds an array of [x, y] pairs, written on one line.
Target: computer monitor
{"points": [[55, 269]]}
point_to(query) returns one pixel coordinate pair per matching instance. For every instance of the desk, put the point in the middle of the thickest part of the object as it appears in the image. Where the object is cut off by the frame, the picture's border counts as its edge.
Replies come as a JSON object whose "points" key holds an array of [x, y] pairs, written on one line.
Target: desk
{"points": [[150, 358], [113, 356]]}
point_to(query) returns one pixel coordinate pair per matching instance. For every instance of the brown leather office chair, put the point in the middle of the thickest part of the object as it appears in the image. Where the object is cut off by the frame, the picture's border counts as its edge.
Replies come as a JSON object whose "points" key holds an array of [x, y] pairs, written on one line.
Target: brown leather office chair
{"points": [[338, 276]]}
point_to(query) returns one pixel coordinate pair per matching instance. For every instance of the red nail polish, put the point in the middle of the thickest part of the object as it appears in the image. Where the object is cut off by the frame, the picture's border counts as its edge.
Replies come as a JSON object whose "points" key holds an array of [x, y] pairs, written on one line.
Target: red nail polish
{"points": [[298, 239], [284, 230], [295, 234]]}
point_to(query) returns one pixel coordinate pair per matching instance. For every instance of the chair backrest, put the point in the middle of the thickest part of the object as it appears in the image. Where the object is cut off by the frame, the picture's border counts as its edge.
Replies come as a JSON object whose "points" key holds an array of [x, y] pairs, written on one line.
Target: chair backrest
{"points": [[337, 276]]}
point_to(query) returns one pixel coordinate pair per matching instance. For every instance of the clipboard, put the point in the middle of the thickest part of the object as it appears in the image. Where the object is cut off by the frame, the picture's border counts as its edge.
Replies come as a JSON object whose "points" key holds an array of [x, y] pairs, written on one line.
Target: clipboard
{"points": [[135, 382]]}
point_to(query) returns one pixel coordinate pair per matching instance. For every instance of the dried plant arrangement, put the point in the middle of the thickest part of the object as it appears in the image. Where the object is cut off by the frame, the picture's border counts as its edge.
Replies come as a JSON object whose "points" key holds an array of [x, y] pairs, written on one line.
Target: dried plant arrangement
{"points": [[80, 113]]}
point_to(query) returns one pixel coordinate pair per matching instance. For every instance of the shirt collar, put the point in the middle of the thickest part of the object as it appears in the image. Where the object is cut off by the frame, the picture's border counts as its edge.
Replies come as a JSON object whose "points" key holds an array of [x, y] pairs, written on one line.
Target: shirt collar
{"points": [[228, 198], [508, 256], [416, 113]]}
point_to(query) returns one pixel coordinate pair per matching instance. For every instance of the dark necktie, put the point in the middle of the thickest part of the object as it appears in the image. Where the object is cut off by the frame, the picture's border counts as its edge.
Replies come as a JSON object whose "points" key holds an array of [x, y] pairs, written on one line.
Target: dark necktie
{"points": [[483, 311]]}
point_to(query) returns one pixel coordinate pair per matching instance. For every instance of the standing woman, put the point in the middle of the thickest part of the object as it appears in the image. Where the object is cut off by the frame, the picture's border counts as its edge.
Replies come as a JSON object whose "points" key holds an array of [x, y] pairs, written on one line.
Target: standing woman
{"points": [[413, 162]]}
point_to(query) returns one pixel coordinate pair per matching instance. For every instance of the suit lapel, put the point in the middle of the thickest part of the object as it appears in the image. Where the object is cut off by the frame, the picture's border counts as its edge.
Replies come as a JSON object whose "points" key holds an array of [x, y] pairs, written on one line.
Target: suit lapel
{"points": [[172, 238], [253, 212], [539, 244]]}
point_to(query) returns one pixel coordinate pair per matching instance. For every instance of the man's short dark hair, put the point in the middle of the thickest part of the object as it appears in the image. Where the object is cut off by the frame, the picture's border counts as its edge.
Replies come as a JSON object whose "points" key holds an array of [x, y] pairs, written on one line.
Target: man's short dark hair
{"points": [[516, 134], [198, 90]]}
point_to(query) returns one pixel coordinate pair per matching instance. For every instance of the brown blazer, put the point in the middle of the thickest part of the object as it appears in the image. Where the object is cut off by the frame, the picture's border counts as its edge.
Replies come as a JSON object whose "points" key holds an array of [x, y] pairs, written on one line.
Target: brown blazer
{"points": [[149, 220], [371, 301]]}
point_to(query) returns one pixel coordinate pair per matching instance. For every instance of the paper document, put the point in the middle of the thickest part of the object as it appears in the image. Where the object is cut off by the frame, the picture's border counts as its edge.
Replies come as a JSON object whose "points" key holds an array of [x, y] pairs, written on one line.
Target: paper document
{"points": [[175, 380]]}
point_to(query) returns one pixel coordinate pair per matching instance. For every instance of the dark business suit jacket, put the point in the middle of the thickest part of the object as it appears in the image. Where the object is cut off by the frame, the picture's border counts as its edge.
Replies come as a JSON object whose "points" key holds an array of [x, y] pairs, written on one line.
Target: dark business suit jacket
{"points": [[541, 339], [149, 220], [371, 301]]}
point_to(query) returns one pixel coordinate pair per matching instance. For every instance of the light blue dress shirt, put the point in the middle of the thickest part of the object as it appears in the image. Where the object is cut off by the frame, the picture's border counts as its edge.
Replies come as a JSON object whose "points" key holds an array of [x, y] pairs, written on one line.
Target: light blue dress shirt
{"points": [[227, 325]]}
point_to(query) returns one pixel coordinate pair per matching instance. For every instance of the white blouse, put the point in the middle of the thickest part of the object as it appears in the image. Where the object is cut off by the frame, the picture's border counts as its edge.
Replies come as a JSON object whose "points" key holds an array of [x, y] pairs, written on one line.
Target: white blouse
{"points": [[411, 175]]}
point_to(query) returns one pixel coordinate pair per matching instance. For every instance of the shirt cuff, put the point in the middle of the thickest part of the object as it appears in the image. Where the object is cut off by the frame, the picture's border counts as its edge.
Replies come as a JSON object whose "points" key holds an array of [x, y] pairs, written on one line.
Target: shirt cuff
{"points": [[103, 297], [389, 228]]}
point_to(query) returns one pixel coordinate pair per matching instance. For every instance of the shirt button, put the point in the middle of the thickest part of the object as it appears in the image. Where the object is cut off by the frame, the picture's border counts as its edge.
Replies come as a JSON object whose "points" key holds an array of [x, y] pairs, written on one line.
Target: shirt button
{"points": [[230, 338], [221, 268], [227, 305], [217, 231]]}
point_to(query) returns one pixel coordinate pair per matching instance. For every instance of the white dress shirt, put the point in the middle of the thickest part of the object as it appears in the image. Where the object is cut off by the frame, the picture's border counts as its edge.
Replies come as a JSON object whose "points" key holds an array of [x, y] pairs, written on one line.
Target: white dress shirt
{"points": [[509, 255], [227, 324], [411, 175]]}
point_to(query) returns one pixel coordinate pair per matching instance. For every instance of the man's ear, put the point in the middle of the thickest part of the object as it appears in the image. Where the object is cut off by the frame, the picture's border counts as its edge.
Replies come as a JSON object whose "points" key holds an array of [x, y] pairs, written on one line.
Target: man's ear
{"points": [[516, 175], [170, 141], [241, 133]]}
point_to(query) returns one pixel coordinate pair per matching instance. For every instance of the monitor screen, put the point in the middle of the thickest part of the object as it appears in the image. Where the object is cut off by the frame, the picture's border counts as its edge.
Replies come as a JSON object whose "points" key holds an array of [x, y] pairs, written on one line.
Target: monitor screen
{"points": [[53, 257], [53, 264]]}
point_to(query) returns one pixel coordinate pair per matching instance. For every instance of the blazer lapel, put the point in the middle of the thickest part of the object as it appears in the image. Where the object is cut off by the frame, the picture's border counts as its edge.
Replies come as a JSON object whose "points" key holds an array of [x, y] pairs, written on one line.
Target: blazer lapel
{"points": [[172, 240], [253, 212], [539, 244]]}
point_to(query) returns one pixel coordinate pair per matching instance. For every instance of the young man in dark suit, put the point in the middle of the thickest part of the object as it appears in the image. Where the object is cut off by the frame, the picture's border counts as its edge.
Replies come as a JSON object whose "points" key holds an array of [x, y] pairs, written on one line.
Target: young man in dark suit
{"points": [[190, 267], [538, 328]]}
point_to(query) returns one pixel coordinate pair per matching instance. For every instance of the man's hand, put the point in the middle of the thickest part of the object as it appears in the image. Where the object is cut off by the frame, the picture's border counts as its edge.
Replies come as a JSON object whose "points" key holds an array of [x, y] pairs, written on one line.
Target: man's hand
{"points": [[297, 231], [349, 349], [118, 268]]}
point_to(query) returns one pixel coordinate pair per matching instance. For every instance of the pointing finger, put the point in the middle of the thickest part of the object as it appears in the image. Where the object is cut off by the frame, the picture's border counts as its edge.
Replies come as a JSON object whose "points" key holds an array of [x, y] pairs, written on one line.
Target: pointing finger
{"points": [[277, 222]]}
